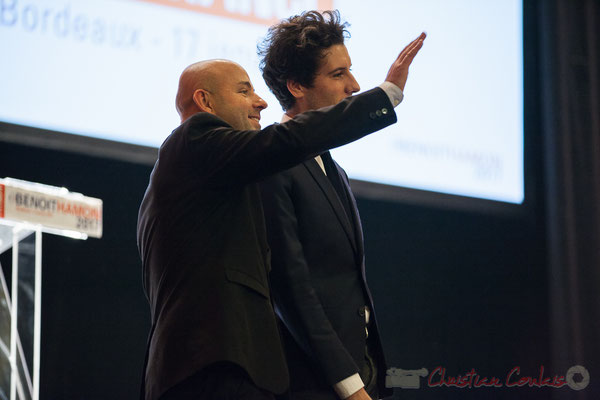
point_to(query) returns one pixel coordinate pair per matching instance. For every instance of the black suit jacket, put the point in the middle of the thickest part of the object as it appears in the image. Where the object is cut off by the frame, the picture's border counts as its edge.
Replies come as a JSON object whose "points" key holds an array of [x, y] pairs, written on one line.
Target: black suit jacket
{"points": [[318, 276], [202, 239]]}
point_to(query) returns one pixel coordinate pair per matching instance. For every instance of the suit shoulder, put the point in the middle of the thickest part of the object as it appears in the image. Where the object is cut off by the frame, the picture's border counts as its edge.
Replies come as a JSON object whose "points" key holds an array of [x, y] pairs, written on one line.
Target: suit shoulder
{"points": [[200, 123]]}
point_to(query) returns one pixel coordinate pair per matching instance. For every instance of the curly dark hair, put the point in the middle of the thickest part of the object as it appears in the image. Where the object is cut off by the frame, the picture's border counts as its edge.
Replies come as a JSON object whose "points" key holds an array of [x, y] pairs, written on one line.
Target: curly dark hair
{"points": [[293, 49]]}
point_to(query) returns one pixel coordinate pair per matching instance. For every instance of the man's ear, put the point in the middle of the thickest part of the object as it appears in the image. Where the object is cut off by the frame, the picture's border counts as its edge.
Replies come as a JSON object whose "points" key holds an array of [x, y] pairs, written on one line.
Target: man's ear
{"points": [[203, 101], [296, 89]]}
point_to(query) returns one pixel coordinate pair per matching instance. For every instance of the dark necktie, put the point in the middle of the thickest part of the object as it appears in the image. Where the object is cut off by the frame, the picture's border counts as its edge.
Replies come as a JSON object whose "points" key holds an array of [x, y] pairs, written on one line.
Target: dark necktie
{"points": [[336, 182]]}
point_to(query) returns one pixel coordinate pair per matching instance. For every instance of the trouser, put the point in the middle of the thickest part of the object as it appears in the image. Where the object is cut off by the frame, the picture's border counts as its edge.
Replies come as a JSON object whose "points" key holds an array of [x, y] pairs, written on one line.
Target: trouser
{"points": [[222, 381]]}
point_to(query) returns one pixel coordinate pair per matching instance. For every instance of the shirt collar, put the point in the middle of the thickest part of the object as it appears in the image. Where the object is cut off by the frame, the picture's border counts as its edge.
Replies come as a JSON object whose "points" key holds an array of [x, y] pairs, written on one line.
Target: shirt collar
{"points": [[285, 118]]}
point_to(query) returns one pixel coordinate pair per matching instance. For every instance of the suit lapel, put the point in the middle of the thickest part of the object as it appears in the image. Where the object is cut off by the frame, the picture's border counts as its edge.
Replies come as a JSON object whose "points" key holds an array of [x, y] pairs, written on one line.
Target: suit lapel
{"points": [[317, 173]]}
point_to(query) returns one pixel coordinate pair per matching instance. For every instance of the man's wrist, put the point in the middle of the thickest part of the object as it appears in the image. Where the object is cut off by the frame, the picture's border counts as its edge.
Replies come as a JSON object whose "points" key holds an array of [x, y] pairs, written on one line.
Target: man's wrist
{"points": [[393, 92], [347, 387]]}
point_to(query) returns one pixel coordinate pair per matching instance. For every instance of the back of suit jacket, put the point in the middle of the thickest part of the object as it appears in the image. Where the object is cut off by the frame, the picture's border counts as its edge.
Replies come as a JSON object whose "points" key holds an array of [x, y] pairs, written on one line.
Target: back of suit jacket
{"points": [[202, 240]]}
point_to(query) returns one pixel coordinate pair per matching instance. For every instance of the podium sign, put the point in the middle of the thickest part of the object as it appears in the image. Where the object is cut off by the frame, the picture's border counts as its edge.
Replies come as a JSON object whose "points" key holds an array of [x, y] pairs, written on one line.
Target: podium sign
{"points": [[52, 207], [26, 210]]}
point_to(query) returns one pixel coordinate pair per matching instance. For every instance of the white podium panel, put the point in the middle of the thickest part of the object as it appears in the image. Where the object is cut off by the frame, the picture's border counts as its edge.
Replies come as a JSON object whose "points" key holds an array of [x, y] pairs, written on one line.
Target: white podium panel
{"points": [[26, 210], [20, 313]]}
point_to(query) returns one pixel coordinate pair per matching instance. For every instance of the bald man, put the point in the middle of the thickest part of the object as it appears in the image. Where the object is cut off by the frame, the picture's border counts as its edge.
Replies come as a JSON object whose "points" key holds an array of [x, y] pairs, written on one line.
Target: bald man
{"points": [[201, 232]]}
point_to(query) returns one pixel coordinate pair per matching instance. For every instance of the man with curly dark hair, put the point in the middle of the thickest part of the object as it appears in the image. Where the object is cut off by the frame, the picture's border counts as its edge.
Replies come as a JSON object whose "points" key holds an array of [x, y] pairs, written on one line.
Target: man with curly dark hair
{"points": [[318, 282], [295, 48]]}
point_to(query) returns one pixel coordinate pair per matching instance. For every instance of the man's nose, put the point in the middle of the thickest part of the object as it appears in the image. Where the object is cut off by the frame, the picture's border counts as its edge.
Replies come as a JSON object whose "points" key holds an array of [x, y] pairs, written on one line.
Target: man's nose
{"points": [[353, 85], [260, 103]]}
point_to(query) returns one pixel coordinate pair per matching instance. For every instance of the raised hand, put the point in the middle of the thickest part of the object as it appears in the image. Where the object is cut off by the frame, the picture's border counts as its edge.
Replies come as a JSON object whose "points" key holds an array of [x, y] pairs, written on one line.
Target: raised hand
{"points": [[398, 72], [360, 395]]}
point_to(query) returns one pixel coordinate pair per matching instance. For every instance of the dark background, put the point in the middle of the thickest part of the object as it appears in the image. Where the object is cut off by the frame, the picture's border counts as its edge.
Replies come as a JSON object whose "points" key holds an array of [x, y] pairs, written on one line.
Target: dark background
{"points": [[463, 288]]}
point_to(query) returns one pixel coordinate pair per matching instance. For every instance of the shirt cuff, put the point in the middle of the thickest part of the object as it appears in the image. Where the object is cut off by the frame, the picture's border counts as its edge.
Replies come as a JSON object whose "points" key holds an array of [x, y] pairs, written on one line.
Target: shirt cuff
{"points": [[348, 386], [394, 93]]}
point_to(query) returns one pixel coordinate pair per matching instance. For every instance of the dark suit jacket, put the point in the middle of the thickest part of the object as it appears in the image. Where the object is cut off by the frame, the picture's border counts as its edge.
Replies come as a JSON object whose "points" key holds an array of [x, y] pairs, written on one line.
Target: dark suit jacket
{"points": [[318, 277], [202, 239]]}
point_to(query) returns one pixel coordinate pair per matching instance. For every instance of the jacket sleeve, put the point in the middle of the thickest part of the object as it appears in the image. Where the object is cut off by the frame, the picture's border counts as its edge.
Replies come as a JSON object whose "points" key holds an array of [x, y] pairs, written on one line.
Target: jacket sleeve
{"points": [[296, 299], [224, 156]]}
